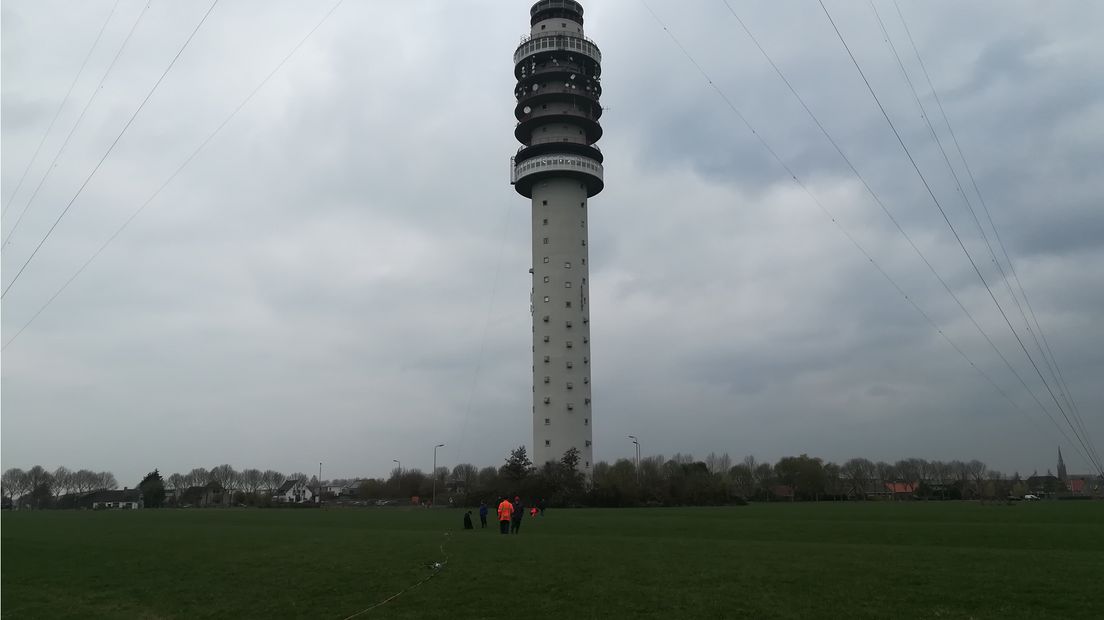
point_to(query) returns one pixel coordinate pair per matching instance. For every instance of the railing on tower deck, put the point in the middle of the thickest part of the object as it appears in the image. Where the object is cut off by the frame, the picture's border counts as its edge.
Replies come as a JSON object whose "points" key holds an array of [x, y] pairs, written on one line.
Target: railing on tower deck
{"points": [[554, 163], [548, 33], [571, 43]]}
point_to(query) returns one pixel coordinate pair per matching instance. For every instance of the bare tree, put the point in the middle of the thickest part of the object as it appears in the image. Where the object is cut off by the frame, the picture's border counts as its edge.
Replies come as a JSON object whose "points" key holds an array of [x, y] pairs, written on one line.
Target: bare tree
{"points": [[251, 480], [225, 476], [859, 472], [764, 476], [83, 481], [198, 477], [273, 479], [14, 482], [743, 477], [105, 481], [907, 470], [724, 463], [176, 482], [886, 472], [712, 462], [63, 482], [465, 474], [833, 479], [975, 469]]}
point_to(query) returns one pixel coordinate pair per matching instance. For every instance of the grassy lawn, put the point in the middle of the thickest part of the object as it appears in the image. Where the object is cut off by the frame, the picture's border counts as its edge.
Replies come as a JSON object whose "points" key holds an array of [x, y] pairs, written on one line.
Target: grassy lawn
{"points": [[874, 560]]}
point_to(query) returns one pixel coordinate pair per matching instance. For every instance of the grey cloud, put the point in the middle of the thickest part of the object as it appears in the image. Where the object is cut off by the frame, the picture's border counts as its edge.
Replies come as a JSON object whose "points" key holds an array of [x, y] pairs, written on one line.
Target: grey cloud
{"points": [[316, 285]]}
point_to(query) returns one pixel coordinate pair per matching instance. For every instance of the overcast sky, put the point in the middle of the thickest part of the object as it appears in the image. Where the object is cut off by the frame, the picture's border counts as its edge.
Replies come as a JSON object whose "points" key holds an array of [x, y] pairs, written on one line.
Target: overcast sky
{"points": [[341, 275]]}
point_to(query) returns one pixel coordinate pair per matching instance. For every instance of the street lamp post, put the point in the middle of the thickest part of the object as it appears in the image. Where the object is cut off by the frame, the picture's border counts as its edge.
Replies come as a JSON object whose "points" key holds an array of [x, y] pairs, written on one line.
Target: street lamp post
{"points": [[636, 442], [433, 500], [319, 483]]}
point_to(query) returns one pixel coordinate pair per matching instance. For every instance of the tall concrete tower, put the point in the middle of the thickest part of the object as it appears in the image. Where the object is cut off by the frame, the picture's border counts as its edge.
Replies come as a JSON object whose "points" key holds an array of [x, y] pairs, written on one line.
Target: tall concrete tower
{"points": [[559, 168]]}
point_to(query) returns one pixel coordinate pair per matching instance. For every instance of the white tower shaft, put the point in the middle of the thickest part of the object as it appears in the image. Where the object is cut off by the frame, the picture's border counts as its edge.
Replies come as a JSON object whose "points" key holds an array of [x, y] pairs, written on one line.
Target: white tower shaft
{"points": [[559, 168]]}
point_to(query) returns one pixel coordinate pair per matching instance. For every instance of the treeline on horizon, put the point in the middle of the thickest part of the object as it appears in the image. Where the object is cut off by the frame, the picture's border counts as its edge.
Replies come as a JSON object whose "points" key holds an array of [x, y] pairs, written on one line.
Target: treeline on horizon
{"points": [[678, 481]]}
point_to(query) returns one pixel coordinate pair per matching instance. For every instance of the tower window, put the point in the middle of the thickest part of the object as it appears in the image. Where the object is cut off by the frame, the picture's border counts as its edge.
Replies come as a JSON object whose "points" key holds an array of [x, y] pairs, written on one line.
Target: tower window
{"points": [[586, 379], [547, 379], [588, 443], [570, 385], [546, 338], [586, 360], [567, 324], [569, 364], [567, 285], [570, 406], [547, 299], [546, 241], [546, 359], [586, 421], [584, 242], [545, 318], [567, 264], [545, 259], [582, 204], [548, 421], [586, 339], [586, 402], [546, 278], [545, 221], [547, 442], [567, 304], [584, 261], [568, 343], [547, 400], [544, 202]]}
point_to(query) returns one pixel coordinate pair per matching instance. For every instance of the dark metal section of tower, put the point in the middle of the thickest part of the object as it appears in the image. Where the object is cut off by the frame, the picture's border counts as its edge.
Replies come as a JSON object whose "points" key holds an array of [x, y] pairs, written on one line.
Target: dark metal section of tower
{"points": [[558, 73], [551, 9]]}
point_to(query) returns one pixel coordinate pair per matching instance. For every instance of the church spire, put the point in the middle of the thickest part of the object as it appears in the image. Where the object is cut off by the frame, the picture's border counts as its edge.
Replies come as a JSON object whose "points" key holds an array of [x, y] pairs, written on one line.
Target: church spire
{"points": [[1061, 466]]}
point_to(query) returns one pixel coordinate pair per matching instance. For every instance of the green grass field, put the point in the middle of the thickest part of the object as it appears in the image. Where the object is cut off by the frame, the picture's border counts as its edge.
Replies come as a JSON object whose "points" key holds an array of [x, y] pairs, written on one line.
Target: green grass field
{"points": [[873, 560]]}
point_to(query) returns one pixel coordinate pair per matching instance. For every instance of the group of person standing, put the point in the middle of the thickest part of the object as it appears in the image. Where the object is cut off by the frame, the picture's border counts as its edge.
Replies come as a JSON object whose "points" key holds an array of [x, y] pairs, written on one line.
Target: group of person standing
{"points": [[510, 514]]}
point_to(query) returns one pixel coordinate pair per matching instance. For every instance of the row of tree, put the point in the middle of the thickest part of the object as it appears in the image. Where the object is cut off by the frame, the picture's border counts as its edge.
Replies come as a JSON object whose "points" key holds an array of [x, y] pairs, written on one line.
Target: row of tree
{"points": [[684, 480], [38, 487], [655, 480], [42, 487]]}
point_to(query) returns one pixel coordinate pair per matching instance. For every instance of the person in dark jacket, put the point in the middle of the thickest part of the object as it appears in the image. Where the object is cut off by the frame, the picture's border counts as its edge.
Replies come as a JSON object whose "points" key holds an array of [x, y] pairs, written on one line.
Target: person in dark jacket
{"points": [[519, 513], [483, 514], [467, 521], [541, 506]]}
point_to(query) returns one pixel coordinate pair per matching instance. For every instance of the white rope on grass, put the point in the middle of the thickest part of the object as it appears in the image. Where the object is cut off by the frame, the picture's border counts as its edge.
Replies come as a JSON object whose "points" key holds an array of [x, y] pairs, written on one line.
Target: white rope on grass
{"points": [[435, 567]]}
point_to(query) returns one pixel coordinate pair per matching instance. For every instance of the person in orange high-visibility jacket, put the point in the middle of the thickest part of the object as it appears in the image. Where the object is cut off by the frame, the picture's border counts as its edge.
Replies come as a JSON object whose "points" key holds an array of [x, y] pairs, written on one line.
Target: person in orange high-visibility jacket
{"points": [[505, 511]]}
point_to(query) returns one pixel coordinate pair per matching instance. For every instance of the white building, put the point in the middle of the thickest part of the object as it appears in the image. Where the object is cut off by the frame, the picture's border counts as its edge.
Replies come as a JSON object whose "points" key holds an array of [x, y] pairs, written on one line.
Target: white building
{"points": [[558, 73], [293, 491]]}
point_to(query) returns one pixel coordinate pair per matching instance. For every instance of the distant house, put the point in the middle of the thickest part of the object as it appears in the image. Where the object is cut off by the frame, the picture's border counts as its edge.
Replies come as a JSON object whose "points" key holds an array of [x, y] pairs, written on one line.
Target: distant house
{"points": [[294, 491], [126, 499], [1040, 485], [351, 489], [1084, 485], [205, 496], [902, 490]]}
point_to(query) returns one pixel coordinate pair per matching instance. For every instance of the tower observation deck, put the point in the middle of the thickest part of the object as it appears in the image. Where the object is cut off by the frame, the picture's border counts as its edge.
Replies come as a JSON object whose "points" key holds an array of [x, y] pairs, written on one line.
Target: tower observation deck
{"points": [[558, 167]]}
